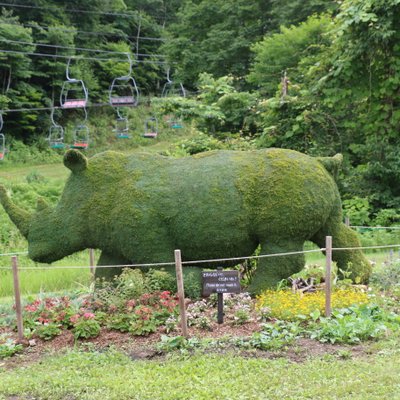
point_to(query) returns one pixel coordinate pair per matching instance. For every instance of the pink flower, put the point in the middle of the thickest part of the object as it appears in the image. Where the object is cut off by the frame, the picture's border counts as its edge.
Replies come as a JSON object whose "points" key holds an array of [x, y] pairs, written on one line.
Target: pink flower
{"points": [[31, 308], [131, 304], [74, 318], [88, 315]]}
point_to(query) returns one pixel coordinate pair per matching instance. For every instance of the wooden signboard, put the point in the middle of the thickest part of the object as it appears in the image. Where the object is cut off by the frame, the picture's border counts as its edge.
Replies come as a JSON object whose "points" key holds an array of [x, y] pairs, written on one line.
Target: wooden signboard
{"points": [[220, 282]]}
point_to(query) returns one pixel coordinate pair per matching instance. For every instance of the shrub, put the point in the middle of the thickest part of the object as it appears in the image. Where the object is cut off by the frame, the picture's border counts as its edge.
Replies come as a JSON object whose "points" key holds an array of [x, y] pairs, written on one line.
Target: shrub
{"points": [[85, 326], [387, 278], [159, 279], [358, 210], [130, 284], [48, 331]]}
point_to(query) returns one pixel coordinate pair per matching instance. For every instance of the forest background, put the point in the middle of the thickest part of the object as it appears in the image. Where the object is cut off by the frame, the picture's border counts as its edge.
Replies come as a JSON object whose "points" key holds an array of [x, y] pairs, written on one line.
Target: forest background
{"points": [[318, 76]]}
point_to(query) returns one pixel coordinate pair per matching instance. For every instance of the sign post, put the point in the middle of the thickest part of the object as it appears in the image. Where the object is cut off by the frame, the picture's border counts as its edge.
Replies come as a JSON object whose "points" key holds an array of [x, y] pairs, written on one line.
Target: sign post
{"points": [[220, 282]]}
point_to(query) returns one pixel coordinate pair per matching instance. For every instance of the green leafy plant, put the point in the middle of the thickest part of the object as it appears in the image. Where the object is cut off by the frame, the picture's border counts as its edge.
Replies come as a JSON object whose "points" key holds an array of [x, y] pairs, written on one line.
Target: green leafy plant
{"points": [[143, 327], [85, 326], [351, 325], [8, 347], [275, 336], [48, 331], [241, 316], [159, 279], [119, 322]]}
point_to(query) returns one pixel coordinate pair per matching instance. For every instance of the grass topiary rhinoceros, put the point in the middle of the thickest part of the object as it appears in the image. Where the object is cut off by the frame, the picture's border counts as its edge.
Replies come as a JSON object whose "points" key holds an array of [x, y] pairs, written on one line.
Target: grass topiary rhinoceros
{"points": [[220, 204]]}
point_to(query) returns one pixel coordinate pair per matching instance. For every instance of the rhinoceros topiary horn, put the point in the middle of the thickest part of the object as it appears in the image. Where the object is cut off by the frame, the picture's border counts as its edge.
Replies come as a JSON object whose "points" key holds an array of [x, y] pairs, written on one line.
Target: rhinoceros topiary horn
{"points": [[20, 217]]}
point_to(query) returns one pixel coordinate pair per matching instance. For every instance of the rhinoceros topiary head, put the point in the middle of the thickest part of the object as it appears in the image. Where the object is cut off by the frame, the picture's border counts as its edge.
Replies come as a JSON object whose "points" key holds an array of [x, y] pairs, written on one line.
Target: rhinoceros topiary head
{"points": [[54, 232]]}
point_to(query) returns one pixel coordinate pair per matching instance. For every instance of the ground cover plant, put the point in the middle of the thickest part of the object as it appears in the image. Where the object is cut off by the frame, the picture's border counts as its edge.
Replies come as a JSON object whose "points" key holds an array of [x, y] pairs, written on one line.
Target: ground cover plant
{"points": [[135, 304], [146, 318]]}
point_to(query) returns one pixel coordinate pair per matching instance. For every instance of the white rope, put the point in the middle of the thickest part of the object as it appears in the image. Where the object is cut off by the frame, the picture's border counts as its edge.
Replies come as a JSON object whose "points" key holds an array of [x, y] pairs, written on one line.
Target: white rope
{"points": [[19, 253], [202, 261], [253, 257], [98, 266], [387, 246], [375, 227]]}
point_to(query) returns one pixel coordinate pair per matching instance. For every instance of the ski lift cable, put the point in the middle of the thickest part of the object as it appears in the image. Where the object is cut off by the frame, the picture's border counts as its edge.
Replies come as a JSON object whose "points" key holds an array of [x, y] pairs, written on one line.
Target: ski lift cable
{"points": [[50, 108], [78, 11], [77, 48], [95, 33], [78, 57]]}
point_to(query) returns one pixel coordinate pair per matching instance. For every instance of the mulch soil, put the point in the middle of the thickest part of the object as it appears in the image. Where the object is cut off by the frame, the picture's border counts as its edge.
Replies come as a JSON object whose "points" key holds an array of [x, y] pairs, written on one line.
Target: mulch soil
{"points": [[144, 347]]}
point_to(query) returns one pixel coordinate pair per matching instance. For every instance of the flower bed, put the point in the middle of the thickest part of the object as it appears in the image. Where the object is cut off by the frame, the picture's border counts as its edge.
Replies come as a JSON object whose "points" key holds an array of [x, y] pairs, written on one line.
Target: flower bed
{"points": [[289, 306]]}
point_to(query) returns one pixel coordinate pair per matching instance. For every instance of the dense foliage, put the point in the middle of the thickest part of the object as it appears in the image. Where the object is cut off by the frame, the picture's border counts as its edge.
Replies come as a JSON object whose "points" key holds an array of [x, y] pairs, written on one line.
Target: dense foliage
{"points": [[318, 76]]}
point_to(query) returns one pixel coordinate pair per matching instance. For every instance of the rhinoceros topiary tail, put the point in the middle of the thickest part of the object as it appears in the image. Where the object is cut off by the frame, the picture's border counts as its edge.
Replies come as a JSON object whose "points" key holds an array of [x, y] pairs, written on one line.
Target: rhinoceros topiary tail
{"points": [[332, 164], [20, 217]]}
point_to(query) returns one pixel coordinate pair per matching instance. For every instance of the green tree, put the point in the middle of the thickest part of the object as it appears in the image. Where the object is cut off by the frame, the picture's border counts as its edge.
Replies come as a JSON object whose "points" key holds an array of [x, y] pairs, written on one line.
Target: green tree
{"points": [[215, 36]]}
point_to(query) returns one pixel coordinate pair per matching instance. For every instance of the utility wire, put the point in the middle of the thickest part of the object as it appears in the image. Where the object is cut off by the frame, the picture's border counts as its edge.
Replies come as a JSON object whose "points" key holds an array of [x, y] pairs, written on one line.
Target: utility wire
{"points": [[53, 108], [79, 11], [79, 57], [95, 33], [77, 48]]}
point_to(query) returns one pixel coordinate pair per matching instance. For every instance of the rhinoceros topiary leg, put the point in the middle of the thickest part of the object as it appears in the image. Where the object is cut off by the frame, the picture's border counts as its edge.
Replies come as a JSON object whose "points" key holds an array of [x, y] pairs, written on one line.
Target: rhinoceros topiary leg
{"points": [[271, 270], [353, 261], [109, 273]]}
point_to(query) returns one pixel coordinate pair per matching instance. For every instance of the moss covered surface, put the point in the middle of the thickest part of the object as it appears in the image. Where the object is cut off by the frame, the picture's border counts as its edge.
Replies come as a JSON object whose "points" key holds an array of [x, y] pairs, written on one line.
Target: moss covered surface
{"points": [[138, 209]]}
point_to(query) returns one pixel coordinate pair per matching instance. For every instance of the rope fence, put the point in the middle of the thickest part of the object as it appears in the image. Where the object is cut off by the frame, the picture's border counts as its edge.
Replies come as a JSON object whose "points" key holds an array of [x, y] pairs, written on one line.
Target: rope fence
{"points": [[375, 227], [195, 262], [328, 249]]}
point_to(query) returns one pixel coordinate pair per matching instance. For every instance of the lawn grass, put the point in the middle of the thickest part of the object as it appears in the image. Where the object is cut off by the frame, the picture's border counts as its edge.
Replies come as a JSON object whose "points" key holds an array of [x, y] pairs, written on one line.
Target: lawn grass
{"points": [[112, 375], [44, 278]]}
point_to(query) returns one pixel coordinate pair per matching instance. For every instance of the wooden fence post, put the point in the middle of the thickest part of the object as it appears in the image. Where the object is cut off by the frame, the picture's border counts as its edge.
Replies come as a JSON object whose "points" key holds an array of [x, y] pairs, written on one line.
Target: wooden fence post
{"points": [[181, 292], [91, 262], [17, 294], [328, 276], [347, 220]]}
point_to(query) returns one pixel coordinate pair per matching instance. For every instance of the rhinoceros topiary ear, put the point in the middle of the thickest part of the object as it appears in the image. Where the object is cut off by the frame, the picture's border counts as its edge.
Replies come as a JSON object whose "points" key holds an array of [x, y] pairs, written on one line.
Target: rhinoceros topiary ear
{"points": [[75, 161]]}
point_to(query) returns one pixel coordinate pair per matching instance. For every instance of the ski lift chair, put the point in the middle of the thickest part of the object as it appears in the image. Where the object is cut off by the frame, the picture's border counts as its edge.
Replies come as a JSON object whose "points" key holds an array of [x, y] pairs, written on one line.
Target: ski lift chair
{"points": [[56, 134], [56, 137], [74, 93], [151, 128], [81, 137], [173, 89], [123, 90], [176, 123], [122, 128]]}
